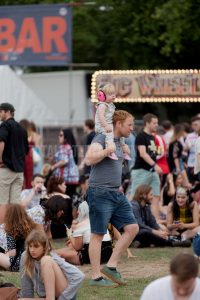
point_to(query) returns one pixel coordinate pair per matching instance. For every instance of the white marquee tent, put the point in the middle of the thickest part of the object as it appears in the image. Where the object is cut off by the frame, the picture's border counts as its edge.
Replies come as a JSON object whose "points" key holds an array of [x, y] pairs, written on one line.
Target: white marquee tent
{"points": [[26, 102]]}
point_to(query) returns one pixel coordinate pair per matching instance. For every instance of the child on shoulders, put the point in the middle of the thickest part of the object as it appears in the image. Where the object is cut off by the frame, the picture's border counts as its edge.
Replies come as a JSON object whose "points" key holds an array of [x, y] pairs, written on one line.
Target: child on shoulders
{"points": [[103, 118]]}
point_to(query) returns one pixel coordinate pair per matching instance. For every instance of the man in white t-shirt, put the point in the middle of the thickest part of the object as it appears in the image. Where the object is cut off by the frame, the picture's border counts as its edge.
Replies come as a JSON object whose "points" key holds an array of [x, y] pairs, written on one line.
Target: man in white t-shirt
{"points": [[181, 284], [31, 197]]}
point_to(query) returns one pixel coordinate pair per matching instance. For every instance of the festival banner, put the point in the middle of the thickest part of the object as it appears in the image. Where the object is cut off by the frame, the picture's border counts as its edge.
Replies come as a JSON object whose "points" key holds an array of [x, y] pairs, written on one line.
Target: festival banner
{"points": [[36, 35], [150, 85]]}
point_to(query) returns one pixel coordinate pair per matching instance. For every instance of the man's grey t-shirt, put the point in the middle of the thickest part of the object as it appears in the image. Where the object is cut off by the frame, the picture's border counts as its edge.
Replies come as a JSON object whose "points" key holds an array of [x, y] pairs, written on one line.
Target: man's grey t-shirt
{"points": [[108, 172]]}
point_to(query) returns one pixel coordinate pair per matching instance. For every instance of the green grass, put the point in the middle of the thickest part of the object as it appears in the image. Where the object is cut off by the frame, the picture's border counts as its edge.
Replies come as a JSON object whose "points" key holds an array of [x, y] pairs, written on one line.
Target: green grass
{"points": [[148, 265], [132, 291]]}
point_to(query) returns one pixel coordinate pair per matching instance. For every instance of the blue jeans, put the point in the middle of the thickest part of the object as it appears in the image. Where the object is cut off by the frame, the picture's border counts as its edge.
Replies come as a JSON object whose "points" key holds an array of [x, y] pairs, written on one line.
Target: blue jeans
{"points": [[108, 206], [196, 244]]}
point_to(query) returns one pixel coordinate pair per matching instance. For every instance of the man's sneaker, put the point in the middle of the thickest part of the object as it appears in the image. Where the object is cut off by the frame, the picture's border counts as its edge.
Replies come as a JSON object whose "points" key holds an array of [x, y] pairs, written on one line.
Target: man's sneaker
{"points": [[113, 275], [103, 282]]}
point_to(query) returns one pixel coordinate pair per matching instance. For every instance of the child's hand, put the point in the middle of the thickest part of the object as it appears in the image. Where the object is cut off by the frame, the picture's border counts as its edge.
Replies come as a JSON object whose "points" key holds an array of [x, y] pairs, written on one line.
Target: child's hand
{"points": [[108, 128], [125, 149]]}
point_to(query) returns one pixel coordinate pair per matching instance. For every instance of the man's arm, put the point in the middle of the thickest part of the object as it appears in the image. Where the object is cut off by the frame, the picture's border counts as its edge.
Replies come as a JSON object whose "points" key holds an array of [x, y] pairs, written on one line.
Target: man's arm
{"points": [[2, 145], [96, 153], [27, 198], [137, 213], [144, 155]]}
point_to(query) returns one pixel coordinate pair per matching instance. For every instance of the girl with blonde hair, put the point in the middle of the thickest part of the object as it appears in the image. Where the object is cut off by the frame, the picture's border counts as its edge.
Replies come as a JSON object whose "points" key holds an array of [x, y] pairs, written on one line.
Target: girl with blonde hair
{"points": [[46, 273]]}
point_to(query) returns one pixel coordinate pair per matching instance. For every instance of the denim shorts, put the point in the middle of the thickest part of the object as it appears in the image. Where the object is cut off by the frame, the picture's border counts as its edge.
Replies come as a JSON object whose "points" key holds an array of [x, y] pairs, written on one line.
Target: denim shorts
{"points": [[141, 176], [196, 245], [108, 206]]}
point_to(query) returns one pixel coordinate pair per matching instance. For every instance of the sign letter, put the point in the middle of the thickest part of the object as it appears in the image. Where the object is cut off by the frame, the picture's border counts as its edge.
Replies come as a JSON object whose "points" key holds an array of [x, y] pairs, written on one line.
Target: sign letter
{"points": [[54, 29], [7, 35]]}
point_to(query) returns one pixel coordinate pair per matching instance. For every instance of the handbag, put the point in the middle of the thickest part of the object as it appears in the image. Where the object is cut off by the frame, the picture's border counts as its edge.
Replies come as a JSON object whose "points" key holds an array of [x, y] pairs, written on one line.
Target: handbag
{"points": [[9, 293]]}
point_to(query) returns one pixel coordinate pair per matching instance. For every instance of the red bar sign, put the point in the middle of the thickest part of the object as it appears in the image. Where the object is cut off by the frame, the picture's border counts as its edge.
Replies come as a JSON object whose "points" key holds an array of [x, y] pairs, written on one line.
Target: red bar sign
{"points": [[35, 35]]}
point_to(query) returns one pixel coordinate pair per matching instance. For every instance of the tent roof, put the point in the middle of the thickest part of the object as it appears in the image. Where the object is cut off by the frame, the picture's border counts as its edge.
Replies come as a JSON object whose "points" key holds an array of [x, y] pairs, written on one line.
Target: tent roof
{"points": [[26, 103]]}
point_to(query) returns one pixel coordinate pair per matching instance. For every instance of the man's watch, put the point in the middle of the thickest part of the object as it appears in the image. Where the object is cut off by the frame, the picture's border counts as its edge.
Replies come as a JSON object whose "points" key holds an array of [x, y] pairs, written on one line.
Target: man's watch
{"points": [[153, 168]]}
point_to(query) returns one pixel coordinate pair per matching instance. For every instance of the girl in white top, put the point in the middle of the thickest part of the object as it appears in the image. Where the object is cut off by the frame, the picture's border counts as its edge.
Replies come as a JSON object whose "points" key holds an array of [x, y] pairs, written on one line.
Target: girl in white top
{"points": [[103, 117], [76, 251]]}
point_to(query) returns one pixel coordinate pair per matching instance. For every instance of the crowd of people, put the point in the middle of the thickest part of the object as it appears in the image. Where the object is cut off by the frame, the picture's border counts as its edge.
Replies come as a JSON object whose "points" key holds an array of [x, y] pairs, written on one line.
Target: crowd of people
{"points": [[129, 190]]}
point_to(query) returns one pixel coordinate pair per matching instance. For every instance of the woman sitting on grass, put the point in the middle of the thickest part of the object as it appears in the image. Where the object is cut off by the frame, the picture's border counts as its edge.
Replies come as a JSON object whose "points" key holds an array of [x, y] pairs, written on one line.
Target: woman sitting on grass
{"points": [[53, 209], [183, 215], [17, 226], [43, 271], [150, 234], [56, 187], [76, 251]]}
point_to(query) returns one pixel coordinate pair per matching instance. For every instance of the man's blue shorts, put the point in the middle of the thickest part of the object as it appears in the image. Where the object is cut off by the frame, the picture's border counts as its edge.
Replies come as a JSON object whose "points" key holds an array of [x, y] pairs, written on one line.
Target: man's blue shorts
{"points": [[108, 206]]}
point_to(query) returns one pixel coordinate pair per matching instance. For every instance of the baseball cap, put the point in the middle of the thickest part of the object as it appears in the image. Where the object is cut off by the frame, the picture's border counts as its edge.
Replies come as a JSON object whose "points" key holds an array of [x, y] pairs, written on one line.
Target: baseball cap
{"points": [[7, 106]]}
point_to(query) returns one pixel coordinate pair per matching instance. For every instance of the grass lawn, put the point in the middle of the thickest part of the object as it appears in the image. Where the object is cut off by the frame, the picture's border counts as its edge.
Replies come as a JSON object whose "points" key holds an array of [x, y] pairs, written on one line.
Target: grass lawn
{"points": [[147, 265]]}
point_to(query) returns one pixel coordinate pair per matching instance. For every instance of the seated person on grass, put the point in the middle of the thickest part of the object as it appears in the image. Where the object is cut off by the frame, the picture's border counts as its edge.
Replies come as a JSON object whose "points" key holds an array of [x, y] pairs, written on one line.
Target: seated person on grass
{"points": [[182, 215], [150, 233], [76, 251]]}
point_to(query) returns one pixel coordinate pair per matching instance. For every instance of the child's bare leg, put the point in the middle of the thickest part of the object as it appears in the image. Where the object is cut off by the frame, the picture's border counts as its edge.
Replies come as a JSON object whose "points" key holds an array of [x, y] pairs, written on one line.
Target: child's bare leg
{"points": [[54, 280], [110, 142]]}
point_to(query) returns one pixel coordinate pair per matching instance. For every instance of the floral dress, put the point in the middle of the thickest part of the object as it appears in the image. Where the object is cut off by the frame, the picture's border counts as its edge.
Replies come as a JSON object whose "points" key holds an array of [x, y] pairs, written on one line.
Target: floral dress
{"points": [[17, 245], [70, 171]]}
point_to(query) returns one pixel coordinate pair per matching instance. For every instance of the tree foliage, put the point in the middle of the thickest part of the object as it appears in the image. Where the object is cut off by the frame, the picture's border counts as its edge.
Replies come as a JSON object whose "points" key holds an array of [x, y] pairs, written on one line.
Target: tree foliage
{"points": [[124, 34]]}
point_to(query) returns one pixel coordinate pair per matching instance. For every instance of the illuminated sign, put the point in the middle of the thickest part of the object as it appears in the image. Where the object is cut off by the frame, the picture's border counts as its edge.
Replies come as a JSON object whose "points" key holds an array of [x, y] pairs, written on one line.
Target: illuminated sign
{"points": [[35, 35], [150, 85]]}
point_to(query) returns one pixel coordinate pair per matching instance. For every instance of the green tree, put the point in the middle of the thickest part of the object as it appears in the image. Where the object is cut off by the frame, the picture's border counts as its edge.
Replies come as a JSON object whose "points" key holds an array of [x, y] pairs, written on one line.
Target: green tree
{"points": [[136, 34]]}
